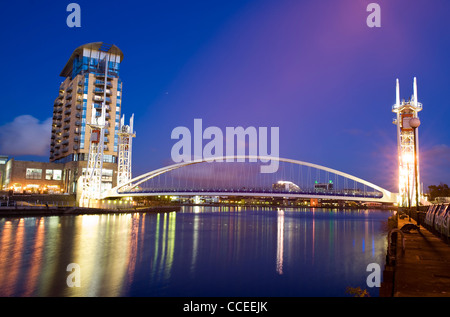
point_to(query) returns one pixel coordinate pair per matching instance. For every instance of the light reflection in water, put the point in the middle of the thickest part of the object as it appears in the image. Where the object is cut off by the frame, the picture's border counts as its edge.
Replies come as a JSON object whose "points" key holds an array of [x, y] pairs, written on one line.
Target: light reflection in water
{"points": [[206, 251], [280, 241]]}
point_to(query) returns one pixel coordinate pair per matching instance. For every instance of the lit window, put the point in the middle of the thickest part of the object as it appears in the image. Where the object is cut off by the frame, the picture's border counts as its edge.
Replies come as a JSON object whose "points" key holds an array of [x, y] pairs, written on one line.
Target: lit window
{"points": [[33, 173], [53, 175]]}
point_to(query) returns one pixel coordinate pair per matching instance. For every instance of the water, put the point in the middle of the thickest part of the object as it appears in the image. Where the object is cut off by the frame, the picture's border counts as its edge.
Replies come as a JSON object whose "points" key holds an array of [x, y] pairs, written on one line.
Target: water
{"points": [[198, 251]]}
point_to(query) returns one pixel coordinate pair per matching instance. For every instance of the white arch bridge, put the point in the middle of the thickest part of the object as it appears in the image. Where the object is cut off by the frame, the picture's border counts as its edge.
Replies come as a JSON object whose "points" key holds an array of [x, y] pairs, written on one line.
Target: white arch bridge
{"points": [[240, 175]]}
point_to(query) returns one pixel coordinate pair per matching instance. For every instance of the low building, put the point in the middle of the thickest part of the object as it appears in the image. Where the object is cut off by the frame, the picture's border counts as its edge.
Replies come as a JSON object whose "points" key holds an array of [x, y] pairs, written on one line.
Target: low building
{"points": [[285, 186], [50, 177]]}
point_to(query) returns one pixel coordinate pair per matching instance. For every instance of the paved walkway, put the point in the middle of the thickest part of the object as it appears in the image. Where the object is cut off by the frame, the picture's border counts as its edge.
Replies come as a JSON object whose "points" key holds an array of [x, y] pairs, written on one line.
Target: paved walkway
{"points": [[423, 270]]}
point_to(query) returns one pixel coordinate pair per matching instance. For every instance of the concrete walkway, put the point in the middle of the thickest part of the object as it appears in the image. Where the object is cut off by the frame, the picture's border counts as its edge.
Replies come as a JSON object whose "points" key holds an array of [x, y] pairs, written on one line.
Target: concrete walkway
{"points": [[423, 270]]}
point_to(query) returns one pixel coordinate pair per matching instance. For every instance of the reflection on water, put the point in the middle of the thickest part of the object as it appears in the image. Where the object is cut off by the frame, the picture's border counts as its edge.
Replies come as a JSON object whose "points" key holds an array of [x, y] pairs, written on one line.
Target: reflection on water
{"points": [[199, 251]]}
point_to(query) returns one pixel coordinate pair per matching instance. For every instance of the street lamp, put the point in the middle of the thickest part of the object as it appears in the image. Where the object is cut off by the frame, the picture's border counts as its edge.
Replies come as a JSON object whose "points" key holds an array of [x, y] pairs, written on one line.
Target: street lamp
{"points": [[415, 123]]}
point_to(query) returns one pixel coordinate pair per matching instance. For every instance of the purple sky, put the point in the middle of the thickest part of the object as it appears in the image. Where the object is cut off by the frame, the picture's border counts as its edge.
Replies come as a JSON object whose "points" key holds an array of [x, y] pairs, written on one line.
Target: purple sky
{"points": [[312, 68]]}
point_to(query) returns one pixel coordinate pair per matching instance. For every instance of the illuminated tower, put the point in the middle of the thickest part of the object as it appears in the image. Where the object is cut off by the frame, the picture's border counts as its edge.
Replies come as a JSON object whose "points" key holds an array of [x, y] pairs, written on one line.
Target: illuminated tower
{"points": [[406, 110], [92, 179], [126, 135]]}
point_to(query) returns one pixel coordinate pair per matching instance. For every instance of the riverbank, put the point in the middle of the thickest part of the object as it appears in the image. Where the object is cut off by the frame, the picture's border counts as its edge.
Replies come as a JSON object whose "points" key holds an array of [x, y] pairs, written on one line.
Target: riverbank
{"points": [[32, 211], [421, 268]]}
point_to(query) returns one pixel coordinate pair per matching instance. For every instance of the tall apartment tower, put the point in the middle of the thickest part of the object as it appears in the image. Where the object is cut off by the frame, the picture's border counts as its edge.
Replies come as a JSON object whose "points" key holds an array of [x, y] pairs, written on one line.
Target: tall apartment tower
{"points": [[81, 96], [408, 147]]}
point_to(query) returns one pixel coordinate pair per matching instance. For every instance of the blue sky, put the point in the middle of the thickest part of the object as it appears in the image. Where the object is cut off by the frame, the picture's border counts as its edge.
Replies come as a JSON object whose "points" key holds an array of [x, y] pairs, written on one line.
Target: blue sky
{"points": [[313, 68]]}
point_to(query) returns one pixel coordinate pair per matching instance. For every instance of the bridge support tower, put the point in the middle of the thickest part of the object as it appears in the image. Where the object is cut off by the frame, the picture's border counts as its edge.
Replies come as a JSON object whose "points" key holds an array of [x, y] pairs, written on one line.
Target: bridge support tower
{"points": [[407, 140]]}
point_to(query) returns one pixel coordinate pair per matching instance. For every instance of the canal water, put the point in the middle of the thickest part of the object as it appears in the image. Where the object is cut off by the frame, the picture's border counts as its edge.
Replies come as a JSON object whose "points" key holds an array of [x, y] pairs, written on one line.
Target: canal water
{"points": [[198, 251]]}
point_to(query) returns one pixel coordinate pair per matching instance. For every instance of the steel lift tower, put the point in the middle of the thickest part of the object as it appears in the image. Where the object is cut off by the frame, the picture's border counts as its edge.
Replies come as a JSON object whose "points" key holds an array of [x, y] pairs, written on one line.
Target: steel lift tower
{"points": [[126, 135], [92, 181], [408, 145]]}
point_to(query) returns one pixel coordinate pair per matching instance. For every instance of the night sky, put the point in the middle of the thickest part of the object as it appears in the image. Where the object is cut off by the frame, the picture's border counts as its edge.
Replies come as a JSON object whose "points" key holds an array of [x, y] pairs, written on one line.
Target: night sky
{"points": [[312, 68]]}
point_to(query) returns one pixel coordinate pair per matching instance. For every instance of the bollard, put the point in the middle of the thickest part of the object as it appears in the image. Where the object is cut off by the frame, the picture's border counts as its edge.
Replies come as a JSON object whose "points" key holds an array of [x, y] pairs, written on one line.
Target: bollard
{"points": [[389, 240]]}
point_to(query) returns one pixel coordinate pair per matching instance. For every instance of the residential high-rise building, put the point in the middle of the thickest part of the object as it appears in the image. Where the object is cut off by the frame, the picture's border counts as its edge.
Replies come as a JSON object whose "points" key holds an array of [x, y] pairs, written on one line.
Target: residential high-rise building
{"points": [[85, 88]]}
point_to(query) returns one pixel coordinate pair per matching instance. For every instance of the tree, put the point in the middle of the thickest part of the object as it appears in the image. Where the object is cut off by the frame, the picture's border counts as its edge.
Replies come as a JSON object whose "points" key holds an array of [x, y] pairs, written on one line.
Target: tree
{"points": [[441, 190]]}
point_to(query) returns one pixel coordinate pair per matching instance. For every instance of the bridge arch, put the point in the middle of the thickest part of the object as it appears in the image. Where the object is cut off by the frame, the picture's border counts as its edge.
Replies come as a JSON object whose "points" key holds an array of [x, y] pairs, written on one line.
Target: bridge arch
{"points": [[117, 191]]}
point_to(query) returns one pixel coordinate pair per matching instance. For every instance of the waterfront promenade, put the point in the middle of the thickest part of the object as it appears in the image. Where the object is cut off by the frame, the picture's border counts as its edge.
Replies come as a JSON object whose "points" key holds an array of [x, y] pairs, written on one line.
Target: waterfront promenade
{"points": [[423, 269]]}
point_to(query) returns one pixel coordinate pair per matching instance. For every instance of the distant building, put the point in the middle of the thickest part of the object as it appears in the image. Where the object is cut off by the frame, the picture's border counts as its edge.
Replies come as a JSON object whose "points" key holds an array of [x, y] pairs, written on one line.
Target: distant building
{"points": [[323, 187], [285, 186], [3, 160]]}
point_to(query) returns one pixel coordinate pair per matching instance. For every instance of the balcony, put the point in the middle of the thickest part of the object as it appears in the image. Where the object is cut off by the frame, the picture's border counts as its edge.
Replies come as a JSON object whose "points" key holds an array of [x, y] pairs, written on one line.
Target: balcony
{"points": [[59, 109], [70, 88], [58, 102], [58, 124], [97, 98], [80, 83], [78, 122], [67, 112], [76, 139], [68, 104], [78, 115], [66, 127], [75, 147], [65, 149], [78, 107], [65, 142], [65, 134], [66, 119], [69, 96]]}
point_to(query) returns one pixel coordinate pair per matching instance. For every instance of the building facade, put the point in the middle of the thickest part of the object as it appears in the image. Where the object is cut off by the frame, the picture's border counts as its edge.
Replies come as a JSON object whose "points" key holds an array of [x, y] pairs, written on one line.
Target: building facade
{"points": [[85, 88], [33, 177]]}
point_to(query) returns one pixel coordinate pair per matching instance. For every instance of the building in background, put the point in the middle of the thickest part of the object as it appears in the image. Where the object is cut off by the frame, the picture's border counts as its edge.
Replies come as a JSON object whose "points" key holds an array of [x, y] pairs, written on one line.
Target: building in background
{"points": [[80, 98], [33, 177], [81, 95]]}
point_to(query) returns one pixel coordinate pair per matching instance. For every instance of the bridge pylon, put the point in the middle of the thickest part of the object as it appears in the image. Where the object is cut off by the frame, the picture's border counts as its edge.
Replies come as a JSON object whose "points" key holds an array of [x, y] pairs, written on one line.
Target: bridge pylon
{"points": [[126, 135], [407, 147]]}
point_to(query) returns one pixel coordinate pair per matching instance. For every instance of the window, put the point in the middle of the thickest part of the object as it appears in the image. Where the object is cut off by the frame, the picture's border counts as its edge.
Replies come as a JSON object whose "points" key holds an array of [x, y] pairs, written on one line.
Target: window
{"points": [[34, 173], [53, 175]]}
